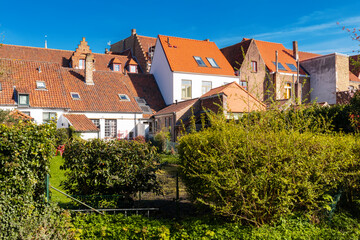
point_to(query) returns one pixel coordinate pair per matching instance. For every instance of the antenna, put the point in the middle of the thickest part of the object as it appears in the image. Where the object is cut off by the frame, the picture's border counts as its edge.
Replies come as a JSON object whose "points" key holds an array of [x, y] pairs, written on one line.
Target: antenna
{"points": [[45, 41]]}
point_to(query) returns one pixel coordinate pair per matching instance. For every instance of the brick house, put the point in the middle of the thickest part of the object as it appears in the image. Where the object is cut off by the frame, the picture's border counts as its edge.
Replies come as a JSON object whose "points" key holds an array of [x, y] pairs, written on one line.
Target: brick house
{"points": [[318, 77], [94, 93], [141, 48], [231, 99]]}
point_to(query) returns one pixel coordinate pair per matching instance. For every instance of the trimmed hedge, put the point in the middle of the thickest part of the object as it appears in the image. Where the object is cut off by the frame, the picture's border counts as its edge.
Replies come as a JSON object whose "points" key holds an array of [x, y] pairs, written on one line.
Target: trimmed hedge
{"points": [[97, 167]]}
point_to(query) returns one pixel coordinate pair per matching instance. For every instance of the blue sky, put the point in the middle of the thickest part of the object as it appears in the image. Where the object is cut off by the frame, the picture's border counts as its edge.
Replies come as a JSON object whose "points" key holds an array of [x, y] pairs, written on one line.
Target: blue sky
{"points": [[311, 23]]}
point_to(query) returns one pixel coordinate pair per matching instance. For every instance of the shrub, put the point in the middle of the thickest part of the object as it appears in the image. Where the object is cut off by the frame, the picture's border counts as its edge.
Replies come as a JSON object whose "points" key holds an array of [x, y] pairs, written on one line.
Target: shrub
{"points": [[161, 139], [268, 167], [105, 168]]}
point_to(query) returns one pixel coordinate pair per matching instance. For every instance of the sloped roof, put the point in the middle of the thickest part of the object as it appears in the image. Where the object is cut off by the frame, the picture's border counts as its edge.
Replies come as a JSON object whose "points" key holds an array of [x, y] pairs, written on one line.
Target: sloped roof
{"points": [[81, 123], [176, 107], [306, 55], [238, 99], [235, 53], [267, 51], [353, 78], [21, 76], [61, 57], [16, 114], [180, 54], [146, 42], [355, 69]]}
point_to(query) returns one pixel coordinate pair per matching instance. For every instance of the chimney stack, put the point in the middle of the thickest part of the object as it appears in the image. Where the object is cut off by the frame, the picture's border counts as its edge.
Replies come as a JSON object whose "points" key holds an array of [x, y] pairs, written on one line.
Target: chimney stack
{"points": [[295, 50], [207, 40], [89, 67], [106, 51], [133, 32]]}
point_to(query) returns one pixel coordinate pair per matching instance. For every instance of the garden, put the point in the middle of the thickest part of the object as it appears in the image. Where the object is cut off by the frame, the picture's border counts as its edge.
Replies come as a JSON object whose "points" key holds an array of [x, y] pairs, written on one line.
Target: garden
{"points": [[290, 174]]}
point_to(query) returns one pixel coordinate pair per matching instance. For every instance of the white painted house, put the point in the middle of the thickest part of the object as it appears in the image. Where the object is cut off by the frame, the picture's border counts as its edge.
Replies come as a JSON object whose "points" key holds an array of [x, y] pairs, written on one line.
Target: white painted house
{"points": [[187, 68], [97, 94]]}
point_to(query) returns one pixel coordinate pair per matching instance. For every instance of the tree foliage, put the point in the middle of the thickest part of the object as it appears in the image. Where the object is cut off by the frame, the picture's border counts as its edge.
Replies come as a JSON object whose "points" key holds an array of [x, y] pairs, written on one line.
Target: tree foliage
{"points": [[97, 167]]}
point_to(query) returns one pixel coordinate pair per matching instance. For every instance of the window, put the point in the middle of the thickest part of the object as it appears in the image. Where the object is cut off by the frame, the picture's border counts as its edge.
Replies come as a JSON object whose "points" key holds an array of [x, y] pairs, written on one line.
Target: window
{"points": [[280, 66], [27, 113], [206, 86], [75, 96], [131, 135], [212, 62], [199, 61], [292, 67], [146, 109], [253, 66], [49, 116], [82, 63], [185, 89], [133, 69], [116, 67], [110, 128], [351, 88], [287, 91], [0, 87], [243, 83], [124, 97], [23, 99], [96, 122], [40, 85]]}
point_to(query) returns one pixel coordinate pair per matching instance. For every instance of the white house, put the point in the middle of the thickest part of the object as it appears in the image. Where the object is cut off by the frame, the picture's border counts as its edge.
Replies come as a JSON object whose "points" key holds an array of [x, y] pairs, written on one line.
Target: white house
{"points": [[100, 95], [187, 68]]}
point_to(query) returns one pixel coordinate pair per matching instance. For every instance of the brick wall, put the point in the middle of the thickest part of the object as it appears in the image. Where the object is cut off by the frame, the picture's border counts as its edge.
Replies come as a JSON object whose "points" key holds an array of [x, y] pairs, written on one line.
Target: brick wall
{"points": [[342, 72]]}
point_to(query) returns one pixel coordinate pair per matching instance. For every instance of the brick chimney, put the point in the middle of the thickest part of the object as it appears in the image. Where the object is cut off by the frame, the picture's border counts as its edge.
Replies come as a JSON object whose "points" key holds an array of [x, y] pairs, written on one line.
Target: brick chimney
{"points": [[133, 32], [295, 50], [89, 67]]}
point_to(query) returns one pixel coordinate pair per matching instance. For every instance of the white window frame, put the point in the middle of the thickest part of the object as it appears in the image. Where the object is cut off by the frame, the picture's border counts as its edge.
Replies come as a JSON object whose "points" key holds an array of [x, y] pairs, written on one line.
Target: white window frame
{"points": [[110, 128], [123, 95], [186, 89], [132, 69], [81, 63], [212, 62], [288, 90], [40, 85], [254, 66], [116, 67], [205, 88], [75, 98], [51, 116]]}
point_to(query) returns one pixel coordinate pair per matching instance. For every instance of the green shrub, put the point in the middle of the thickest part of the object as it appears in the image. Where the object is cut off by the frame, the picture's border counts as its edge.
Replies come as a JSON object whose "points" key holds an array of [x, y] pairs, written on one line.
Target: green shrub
{"points": [[269, 166], [97, 167], [62, 136], [161, 139]]}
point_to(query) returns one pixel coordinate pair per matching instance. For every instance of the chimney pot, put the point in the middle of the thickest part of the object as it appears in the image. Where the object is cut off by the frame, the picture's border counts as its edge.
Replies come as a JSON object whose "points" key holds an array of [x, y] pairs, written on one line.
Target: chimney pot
{"points": [[295, 50], [133, 32], [207, 40], [106, 51], [89, 67]]}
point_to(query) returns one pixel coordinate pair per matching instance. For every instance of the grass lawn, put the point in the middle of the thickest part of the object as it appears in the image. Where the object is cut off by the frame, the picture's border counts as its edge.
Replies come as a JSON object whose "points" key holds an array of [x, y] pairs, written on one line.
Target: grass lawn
{"points": [[56, 176]]}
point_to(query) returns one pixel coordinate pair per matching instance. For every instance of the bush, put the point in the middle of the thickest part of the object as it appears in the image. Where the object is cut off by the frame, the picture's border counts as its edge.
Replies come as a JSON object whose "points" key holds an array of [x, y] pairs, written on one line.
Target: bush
{"points": [[105, 168], [161, 139], [269, 166], [25, 151]]}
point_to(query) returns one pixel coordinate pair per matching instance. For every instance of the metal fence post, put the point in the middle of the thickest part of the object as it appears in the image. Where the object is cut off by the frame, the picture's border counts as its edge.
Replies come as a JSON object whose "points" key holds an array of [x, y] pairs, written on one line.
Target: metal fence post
{"points": [[47, 188]]}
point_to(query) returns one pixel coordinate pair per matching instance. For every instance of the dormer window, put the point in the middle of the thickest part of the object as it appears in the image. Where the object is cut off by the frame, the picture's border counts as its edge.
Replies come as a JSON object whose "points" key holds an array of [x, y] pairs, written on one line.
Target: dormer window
{"points": [[212, 62], [199, 61], [116, 67], [75, 96], [124, 97], [81, 63], [23, 99], [40, 85], [132, 69]]}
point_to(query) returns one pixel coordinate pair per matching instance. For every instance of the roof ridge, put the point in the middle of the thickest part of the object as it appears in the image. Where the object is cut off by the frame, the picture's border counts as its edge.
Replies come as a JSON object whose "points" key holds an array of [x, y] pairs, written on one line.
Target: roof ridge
{"points": [[27, 60], [53, 49], [187, 38], [269, 42], [146, 36]]}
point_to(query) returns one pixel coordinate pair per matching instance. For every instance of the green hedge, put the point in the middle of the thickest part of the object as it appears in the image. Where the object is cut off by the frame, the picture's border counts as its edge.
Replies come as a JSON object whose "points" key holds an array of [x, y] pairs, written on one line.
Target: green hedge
{"points": [[97, 167], [269, 167]]}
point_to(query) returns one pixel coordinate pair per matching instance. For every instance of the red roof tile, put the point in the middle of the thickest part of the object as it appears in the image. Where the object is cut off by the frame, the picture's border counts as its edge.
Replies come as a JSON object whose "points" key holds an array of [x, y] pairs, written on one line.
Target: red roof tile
{"points": [[16, 114], [146, 42], [180, 54], [81, 123], [238, 99], [353, 78], [235, 53], [176, 107]]}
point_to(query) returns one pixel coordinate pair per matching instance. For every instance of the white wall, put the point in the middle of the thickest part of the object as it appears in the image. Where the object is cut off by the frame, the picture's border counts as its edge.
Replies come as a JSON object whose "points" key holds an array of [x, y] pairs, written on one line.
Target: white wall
{"points": [[163, 75], [89, 135], [196, 83]]}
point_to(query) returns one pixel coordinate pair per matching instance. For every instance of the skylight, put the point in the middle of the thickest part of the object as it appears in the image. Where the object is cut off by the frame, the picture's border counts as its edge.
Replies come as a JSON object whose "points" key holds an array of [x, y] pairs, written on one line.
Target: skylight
{"points": [[292, 67], [212, 62], [124, 97], [40, 85], [199, 61], [280, 66], [75, 96]]}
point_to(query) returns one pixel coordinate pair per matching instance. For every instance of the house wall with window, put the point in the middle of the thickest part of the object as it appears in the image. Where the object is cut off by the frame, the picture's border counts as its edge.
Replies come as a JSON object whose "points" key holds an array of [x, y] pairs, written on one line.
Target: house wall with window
{"points": [[197, 83]]}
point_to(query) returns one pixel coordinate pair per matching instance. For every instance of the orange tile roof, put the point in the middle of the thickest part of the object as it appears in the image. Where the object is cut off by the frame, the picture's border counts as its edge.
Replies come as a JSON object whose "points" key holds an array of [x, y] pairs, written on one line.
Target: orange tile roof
{"points": [[146, 42], [180, 54], [81, 123], [353, 78], [238, 99], [60, 82], [307, 55], [267, 51], [61, 57], [16, 114]]}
